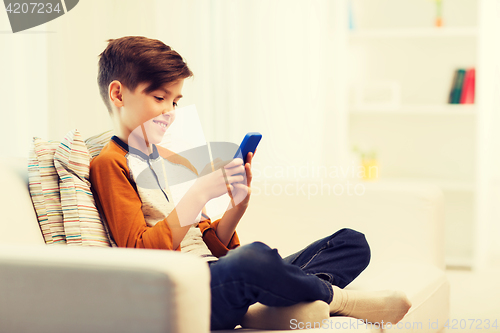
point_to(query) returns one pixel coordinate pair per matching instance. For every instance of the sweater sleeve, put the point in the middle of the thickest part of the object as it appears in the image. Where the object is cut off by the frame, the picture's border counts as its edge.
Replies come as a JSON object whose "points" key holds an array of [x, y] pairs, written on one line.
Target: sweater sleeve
{"points": [[218, 249], [119, 203]]}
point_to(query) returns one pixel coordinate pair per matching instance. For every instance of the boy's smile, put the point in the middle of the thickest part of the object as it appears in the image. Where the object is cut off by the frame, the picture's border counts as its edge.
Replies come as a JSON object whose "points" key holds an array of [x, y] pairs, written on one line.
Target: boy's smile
{"points": [[144, 117]]}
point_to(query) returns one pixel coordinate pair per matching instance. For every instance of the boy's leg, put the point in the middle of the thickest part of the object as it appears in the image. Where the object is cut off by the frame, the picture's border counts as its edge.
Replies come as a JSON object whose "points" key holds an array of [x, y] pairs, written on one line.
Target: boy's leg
{"points": [[338, 258], [256, 273]]}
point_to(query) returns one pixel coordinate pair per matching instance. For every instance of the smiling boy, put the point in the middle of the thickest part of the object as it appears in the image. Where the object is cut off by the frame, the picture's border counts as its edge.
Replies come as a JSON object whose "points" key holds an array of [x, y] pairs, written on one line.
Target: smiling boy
{"points": [[140, 82], [136, 214]]}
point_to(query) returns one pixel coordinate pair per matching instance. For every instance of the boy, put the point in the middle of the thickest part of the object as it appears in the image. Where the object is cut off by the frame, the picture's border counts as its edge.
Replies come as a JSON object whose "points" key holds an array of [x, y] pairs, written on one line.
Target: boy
{"points": [[140, 81]]}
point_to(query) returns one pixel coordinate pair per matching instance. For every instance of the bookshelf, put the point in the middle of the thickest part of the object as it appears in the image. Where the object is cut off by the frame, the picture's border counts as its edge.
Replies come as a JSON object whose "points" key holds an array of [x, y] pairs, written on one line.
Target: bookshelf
{"points": [[423, 110], [422, 138], [414, 33], [445, 185]]}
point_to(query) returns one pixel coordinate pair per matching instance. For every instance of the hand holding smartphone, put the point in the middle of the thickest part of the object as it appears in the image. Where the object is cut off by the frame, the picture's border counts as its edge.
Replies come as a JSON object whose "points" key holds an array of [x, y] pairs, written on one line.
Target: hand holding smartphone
{"points": [[249, 144]]}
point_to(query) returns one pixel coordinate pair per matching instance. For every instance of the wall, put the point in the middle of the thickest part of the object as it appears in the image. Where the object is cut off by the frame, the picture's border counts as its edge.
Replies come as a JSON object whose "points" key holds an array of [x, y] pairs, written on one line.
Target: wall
{"points": [[488, 217]]}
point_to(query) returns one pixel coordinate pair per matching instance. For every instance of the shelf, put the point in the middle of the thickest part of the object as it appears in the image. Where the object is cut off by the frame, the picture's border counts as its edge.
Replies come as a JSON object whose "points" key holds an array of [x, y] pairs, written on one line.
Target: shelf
{"points": [[454, 262], [414, 33], [427, 110], [445, 185]]}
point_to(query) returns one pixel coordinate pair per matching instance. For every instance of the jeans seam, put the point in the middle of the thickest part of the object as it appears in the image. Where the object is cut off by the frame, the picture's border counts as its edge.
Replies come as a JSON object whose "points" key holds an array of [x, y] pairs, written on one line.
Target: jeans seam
{"points": [[297, 255], [314, 256], [328, 274]]}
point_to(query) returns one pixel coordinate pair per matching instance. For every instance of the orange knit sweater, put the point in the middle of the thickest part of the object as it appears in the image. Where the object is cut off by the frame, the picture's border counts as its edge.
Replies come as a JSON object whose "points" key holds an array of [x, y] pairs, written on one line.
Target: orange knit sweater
{"points": [[119, 202]]}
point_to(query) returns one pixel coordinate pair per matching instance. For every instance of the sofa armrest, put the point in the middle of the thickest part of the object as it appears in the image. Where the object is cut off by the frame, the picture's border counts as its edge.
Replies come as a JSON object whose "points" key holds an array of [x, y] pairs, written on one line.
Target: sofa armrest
{"points": [[74, 289]]}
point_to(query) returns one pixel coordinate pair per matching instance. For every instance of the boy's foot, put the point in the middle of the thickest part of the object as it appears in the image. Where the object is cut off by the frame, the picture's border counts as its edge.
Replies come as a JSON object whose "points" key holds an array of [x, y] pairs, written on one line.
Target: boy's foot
{"points": [[372, 306]]}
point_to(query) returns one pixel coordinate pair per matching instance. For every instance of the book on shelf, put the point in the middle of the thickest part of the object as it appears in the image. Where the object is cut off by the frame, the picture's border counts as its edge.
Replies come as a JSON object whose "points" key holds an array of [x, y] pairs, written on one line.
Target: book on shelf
{"points": [[468, 91], [463, 86]]}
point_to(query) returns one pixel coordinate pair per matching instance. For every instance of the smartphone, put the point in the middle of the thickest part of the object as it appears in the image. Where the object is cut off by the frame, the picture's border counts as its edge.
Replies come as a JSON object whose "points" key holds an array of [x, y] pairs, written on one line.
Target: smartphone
{"points": [[249, 144]]}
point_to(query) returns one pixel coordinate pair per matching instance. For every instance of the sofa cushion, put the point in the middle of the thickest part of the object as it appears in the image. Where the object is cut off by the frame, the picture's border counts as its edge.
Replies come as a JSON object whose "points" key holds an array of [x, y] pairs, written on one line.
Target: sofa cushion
{"points": [[82, 222], [403, 223], [44, 189], [426, 286]]}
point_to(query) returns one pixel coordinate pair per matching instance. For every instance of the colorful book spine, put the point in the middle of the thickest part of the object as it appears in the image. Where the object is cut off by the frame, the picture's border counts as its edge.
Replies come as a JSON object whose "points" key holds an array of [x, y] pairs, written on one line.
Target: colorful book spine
{"points": [[457, 86], [468, 91], [453, 85]]}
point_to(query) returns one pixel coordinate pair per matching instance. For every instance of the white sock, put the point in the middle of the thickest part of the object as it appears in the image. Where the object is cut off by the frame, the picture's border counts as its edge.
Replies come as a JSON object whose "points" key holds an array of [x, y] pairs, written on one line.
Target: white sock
{"points": [[372, 306]]}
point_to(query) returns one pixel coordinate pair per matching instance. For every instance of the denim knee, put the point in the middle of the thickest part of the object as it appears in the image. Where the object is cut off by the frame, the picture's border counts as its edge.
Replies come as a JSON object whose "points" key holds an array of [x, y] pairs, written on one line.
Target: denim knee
{"points": [[359, 244], [255, 258]]}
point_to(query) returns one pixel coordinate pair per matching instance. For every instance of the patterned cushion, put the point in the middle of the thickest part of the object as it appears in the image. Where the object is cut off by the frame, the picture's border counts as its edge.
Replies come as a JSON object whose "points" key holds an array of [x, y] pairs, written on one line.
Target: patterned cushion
{"points": [[82, 223], [44, 190], [97, 142], [94, 145]]}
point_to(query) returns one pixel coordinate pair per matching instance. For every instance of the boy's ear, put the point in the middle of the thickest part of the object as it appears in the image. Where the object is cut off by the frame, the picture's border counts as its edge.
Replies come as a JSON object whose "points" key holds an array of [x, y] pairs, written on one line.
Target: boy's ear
{"points": [[115, 93]]}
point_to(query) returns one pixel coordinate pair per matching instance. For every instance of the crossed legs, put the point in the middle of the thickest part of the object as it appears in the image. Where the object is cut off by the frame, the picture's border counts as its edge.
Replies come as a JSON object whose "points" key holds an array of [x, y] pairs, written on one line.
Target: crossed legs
{"points": [[256, 273]]}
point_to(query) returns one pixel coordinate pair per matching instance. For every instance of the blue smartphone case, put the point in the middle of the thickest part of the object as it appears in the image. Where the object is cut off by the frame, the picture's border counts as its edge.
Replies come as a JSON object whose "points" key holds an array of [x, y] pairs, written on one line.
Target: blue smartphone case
{"points": [[249, 144]]}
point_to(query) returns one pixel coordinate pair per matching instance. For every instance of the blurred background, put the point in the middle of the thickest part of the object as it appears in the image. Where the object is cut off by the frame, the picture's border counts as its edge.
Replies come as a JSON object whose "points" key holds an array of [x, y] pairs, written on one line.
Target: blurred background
{"points": [[332, 84]]}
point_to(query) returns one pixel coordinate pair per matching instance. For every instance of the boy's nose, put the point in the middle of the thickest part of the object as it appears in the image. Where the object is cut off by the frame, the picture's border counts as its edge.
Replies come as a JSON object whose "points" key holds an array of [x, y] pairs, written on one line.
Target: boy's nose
{"points": [[166, 110]]}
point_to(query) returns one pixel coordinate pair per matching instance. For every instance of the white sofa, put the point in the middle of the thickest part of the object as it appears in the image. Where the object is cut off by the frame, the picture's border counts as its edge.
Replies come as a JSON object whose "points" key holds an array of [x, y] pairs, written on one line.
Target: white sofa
{"points": [[74, 289]]}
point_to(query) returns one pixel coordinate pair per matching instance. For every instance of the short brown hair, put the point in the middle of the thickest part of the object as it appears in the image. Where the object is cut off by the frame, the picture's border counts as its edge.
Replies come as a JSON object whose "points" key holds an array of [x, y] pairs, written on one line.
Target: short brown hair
{"points": [[133, 60]]}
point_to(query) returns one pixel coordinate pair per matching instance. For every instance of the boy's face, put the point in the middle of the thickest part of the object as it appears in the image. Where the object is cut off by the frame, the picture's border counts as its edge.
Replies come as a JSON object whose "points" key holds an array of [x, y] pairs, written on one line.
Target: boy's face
{"points": [[155, 110]]}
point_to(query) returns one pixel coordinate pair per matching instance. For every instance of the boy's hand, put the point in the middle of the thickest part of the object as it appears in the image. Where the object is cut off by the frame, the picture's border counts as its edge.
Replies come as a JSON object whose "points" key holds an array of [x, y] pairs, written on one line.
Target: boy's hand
{"points": [[213, 184], [240, 196], [237, 179], [241, 190]]}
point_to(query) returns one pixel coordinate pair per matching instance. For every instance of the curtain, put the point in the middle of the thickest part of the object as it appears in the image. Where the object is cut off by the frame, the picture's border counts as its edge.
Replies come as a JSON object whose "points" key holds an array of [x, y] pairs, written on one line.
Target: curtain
{"points": [[265, 66], [23, 87]]}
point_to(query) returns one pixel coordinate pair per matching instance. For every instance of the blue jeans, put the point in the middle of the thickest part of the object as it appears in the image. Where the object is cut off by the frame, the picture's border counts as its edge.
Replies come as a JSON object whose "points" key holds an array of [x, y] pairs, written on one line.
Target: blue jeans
{"points": [[256, 273]]}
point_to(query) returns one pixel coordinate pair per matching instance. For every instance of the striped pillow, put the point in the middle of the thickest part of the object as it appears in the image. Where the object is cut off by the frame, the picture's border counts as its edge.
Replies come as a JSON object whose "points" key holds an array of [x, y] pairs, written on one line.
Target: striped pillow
{"points": [[97, 142], [94, 145], [44, 189], [82, 223]]}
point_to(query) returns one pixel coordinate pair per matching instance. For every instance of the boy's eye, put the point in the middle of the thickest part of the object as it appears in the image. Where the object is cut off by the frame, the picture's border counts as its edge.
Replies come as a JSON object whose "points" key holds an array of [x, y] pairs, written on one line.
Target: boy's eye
{"points": [[161, 99]]}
